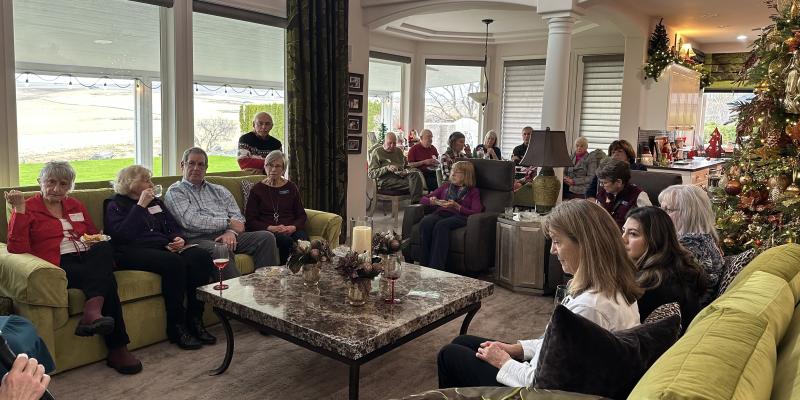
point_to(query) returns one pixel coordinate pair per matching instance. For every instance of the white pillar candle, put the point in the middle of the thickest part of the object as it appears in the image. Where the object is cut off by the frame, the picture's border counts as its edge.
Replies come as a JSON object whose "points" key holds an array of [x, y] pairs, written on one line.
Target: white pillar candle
{"points": [[362, 240]]}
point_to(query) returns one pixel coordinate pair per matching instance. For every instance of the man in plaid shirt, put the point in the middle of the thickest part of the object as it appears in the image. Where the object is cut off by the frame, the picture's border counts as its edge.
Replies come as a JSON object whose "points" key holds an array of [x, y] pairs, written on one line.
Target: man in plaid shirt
{"points": [[209, 214]]}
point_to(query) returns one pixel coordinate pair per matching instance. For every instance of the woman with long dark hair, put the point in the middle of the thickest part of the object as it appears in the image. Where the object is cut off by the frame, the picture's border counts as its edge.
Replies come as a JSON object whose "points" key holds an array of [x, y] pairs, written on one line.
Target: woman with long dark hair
{"points": [[667, 271]]}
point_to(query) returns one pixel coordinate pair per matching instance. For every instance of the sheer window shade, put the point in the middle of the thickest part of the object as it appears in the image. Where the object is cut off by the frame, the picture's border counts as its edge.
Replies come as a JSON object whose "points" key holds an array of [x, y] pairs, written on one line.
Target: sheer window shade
{"points": [[601, 100], [523, 93]]}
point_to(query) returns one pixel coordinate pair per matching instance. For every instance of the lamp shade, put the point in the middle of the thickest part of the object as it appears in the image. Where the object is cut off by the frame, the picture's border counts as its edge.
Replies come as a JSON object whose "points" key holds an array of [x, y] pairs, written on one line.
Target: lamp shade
{"points": [[547, 149]]}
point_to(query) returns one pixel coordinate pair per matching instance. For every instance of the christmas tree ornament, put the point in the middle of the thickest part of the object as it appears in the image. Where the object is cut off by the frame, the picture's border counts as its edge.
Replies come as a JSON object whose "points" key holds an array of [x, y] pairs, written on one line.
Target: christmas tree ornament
{"points": [[733, 187], [791, 100], [793, 131], [746, 179], [775, 194], [728, 241], [791, 191]]}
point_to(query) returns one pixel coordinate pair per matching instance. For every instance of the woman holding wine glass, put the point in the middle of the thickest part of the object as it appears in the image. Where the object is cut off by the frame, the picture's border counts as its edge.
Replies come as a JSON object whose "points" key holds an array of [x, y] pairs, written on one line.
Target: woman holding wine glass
{"points": [[147, 238], [603, 290]]}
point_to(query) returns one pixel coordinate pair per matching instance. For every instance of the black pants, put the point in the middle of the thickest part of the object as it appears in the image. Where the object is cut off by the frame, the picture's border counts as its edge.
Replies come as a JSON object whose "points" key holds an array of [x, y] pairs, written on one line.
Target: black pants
{"points": [[92, 272], [434, 234], [181, 274], [285, 244], [430, 179], [459, 367]]}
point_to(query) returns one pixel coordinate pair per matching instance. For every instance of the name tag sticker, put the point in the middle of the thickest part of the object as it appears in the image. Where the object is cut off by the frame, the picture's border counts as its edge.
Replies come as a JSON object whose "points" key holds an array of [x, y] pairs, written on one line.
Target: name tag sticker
{"points": [[155, 209], [77, 217], [283, 191]]}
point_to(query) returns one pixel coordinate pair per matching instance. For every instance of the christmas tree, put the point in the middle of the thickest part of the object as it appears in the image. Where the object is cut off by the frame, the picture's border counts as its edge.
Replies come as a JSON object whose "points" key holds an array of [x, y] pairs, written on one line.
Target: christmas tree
{"points": [[659, 55], [759, 206]]}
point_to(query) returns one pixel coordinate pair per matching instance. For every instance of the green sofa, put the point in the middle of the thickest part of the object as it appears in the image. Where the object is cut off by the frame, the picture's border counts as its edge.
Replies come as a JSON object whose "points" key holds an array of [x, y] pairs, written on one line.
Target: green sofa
{"points": [[744, 345], [39, 291]]}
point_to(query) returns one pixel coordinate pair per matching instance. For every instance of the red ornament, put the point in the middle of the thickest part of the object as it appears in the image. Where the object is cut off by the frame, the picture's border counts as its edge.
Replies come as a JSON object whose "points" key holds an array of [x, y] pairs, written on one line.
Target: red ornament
{"points": [[733, 187]]}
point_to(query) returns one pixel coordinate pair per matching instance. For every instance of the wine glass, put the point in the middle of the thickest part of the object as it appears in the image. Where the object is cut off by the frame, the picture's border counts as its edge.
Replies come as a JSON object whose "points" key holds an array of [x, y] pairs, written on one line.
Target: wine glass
{"points": [[221, 258], [560, 295], [392, 272], [158, 190]]}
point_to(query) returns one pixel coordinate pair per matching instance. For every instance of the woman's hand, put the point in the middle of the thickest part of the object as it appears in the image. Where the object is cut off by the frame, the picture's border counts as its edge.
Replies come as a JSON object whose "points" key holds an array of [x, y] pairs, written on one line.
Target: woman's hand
{"points": [[176, 244], [15, 198], [146, 197], [513, 350], [569, 181], [493, 354]]}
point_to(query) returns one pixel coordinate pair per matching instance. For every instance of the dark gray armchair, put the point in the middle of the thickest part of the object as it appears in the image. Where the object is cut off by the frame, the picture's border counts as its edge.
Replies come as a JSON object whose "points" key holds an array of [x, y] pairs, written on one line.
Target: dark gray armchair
{"points": [[471, 247], [654, 182]]}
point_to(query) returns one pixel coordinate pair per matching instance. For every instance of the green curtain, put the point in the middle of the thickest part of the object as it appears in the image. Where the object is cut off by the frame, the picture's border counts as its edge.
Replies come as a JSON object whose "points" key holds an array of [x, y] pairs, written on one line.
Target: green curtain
{"points": [[316, 93]]}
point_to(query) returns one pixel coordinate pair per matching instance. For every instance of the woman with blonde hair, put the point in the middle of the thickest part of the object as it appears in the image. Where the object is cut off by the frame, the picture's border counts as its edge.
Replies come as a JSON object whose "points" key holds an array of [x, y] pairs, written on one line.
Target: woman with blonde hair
{"points": [[488, 149], [453, 202], [603, 290], [146, 237], [690, 210]]}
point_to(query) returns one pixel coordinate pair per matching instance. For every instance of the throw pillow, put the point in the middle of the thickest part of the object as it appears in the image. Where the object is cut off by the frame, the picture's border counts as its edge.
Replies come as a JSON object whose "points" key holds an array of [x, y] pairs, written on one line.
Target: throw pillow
{"points": [[732, 266], [247, 186], [578, 355], [662, 312]]}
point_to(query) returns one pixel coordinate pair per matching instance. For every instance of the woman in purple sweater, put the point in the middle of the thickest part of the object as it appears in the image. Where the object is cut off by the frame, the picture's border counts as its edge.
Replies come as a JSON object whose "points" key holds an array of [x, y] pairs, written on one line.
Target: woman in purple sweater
{"points": [[274, 205], [454, 201], [146, 237]]}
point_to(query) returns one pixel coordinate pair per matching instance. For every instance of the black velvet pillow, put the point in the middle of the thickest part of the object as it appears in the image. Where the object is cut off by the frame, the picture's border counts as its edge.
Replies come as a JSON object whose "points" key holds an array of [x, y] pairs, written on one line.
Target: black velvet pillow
{"points": [[578, 355]]}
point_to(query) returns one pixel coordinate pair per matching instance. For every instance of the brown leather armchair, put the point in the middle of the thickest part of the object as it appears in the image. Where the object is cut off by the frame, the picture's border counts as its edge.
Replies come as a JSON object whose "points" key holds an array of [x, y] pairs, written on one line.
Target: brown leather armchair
{"points": [[471, 247]]}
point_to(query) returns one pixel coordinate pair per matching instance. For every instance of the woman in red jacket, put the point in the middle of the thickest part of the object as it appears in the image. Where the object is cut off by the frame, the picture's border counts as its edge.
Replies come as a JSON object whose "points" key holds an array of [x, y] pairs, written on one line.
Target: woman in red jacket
{"points": [[50, 225]]}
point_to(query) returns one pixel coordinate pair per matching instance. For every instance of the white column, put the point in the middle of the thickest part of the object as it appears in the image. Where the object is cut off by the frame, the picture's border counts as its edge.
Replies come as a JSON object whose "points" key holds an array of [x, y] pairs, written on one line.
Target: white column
{"points": [[632, 89], [417, 93], [358, 38], [177, 89], [143, 114], [9, 153], [556, 75]]}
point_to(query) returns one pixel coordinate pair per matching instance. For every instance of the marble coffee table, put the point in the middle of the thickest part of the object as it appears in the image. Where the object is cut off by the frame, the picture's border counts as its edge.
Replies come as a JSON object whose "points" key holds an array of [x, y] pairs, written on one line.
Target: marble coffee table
{"points": [[320, 319]]}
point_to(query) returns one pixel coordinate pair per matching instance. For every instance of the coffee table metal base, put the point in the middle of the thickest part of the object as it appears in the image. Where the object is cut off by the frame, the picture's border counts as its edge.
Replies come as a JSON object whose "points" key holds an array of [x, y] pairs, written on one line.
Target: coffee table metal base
{"points": [[225, 317]]}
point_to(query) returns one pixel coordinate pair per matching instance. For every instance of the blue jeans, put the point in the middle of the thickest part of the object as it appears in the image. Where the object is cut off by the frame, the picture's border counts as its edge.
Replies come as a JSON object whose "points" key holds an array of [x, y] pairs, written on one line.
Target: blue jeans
{"points": [[434, 233]]}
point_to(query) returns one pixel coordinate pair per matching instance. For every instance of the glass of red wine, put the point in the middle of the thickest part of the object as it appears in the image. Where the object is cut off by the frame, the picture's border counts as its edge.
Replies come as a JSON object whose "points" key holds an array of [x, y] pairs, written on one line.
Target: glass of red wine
{"points": [[394, 267], [221, 259]]}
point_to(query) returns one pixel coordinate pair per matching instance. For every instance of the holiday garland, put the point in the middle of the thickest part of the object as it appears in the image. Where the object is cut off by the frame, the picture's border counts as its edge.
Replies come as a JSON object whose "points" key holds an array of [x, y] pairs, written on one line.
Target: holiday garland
{"points": [[660, 56]]}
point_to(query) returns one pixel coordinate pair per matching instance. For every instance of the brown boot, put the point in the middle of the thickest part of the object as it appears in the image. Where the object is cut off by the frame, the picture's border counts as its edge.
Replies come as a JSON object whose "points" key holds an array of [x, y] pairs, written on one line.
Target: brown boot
{"points": [[123, 361]]}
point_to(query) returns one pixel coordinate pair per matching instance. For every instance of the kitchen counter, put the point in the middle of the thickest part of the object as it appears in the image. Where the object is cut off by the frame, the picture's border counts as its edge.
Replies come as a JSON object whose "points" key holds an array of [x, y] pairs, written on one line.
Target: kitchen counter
{"points": [[695, 164]]}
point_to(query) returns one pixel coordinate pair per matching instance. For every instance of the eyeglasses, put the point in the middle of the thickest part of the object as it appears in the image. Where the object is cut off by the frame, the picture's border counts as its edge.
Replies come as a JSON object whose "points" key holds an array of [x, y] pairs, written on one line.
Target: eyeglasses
{"points": [[192, 164], [669, 210]]}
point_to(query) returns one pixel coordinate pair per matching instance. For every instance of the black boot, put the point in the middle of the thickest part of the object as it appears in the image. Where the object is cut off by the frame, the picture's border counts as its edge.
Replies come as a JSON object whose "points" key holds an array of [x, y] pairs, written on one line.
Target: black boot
{"points": [[181, 336], [199, 331]]}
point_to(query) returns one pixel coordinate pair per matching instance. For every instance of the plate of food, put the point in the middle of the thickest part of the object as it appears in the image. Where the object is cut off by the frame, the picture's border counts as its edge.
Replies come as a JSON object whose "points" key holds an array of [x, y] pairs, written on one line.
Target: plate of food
{"points": [[87, 238]]}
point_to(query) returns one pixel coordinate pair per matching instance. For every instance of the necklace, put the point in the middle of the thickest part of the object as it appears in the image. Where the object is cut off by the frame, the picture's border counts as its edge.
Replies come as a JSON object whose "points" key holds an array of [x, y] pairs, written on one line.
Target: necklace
{"points": [[275, 214]]}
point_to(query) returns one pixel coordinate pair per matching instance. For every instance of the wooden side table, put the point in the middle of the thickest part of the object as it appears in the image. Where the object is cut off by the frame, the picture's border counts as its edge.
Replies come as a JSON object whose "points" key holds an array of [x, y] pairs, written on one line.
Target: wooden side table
{"points": [[522, 258]]}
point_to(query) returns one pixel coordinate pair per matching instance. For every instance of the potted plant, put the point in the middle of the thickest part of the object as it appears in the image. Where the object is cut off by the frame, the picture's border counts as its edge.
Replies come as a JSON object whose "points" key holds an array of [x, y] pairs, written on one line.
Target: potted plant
{"points": [[358, 272]]}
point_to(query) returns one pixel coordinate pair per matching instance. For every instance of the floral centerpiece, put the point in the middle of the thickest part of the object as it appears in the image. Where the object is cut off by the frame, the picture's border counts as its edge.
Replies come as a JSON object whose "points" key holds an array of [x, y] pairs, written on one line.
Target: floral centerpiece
{"points": [[385, 243], [309, 257], [356, 269]]}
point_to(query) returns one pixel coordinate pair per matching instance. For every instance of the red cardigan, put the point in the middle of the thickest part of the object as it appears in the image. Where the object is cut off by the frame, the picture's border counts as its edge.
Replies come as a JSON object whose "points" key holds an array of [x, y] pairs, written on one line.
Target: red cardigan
{"points": [[40, 233]]}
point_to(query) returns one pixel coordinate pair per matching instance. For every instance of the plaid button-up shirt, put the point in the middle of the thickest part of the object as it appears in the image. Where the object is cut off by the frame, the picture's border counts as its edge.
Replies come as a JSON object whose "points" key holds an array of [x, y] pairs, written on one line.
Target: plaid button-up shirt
{"points": [[202, 210]]}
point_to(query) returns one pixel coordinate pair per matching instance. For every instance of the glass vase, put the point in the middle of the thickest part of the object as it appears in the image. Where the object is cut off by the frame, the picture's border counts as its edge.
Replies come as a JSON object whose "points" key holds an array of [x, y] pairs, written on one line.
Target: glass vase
{"points": [[356, 293], [311, 273]]}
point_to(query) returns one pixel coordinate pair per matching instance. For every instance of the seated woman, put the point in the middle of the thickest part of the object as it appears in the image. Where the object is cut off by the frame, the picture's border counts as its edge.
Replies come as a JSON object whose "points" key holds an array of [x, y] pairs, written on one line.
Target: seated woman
{"points": [[454, 201], [619, 150], [274, 205], [50, 226], [147, 238], [668, 272], [603, 290], [457, 148], [690, 210], [489, 147], [578, 177]]}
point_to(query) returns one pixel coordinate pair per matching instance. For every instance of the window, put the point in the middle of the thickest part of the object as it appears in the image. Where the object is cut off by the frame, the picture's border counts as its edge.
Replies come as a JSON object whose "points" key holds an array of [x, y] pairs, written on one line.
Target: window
{"points": [[448, 107], [523, 93], [601, 100], [718, 113], [385, 95], [238, 72], [77, 64]]}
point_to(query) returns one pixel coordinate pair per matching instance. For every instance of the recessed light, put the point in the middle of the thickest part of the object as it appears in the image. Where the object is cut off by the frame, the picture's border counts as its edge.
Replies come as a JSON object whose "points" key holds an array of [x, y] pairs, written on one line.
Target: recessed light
{"points": [[102, 41], [741, 37], [710, 15], [723, 26]]}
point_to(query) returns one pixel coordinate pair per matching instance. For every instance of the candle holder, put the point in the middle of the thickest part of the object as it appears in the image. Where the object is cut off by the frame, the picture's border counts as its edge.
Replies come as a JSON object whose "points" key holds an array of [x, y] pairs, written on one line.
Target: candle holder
{"points": [[359, 231]]}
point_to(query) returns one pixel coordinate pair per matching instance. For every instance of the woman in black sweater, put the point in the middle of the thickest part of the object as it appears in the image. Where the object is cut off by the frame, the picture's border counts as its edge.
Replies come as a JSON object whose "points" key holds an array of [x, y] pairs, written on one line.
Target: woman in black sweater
{"points": [[667, 271]]}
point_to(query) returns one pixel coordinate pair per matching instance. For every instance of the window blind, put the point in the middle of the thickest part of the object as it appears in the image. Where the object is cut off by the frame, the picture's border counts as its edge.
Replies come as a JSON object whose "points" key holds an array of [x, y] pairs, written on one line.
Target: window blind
{"points": [[601, 100], [523, 93]]}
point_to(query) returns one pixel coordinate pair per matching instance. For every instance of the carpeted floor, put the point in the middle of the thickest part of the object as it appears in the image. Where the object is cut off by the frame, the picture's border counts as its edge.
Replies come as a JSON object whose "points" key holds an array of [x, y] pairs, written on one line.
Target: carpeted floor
{"points": [[270, 368]]}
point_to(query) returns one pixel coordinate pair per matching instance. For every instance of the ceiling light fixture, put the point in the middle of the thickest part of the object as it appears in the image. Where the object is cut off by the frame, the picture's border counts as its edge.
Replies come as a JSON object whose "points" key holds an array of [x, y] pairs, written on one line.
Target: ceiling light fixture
{"points": [[482, 97], [103, 41], [741, 37]]}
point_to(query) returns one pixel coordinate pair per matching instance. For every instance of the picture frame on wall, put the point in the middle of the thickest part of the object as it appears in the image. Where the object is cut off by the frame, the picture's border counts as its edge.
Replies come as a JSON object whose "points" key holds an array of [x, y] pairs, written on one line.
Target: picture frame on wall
{"points": [[354, 144], [355, 83], [354, 124], [355, 103]]}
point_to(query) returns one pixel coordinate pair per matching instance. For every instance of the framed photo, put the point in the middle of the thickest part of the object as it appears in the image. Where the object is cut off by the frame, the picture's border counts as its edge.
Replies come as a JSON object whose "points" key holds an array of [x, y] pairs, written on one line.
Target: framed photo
{"points": [[354, 124], [356, 82], [355, 103], [354, 144]]}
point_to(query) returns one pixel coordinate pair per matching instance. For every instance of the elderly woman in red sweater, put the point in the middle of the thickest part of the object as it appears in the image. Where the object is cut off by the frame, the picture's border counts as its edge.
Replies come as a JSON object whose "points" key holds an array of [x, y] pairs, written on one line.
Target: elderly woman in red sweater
{"points": [[274, 205], [455, 200], [51, 226]]}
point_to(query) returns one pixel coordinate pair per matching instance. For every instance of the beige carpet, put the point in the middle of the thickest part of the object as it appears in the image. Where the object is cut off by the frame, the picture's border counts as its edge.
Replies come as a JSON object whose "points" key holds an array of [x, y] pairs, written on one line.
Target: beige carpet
{"points": [[270, 368]]}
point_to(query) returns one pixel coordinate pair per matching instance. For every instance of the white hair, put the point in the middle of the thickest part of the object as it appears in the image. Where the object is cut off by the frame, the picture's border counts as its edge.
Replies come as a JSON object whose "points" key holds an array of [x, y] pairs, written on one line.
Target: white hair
{"points": [[60, 170], [692, 209]]}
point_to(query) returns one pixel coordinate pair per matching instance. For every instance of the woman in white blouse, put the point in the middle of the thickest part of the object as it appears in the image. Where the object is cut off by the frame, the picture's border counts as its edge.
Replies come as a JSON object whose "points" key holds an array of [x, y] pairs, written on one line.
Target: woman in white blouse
{"points": [[603, 290]]}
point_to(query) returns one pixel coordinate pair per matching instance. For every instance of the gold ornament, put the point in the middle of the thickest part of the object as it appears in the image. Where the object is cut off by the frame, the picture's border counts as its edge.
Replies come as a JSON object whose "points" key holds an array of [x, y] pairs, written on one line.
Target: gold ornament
{"points": [[778, 181], [791, 191], [736, 219], [746, 179], [733, 187], [791, 102], [728, 241]]}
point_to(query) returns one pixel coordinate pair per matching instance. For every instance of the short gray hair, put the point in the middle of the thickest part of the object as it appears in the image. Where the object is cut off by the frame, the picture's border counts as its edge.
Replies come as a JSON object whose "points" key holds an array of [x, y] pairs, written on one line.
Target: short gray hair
{"points": [[582, 140], [274, 155], [255, 117], [693, 212], [388, 134], [58, 170], [194, 150], [128, 175], [425, 132]]}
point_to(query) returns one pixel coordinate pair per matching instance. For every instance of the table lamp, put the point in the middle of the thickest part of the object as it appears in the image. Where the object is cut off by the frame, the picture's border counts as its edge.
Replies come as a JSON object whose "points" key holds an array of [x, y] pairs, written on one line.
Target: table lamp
{"points": [[548, 149]]}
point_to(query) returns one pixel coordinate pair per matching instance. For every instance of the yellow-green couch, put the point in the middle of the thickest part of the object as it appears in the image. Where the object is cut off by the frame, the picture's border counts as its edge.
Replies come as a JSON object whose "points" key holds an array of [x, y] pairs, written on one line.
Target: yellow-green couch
{"points": [[39, 291]]}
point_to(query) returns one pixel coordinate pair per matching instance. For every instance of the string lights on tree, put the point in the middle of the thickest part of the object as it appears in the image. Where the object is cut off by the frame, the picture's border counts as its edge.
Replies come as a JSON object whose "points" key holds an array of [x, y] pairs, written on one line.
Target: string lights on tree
{"points": [[660, 56]]}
